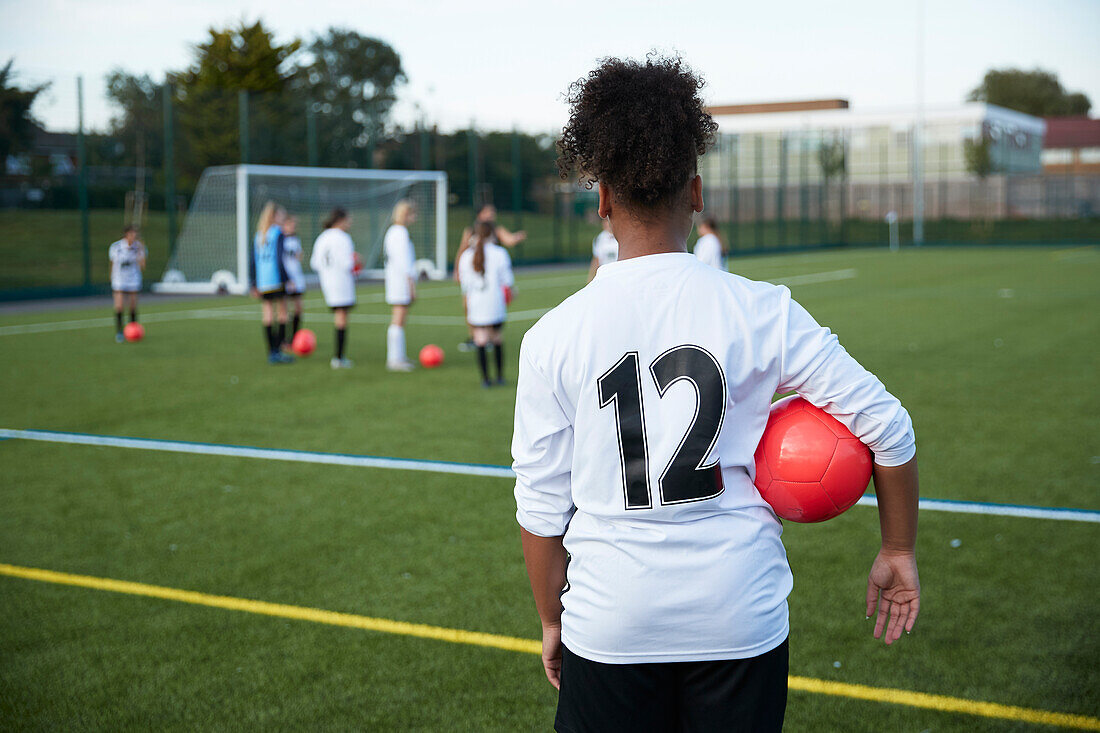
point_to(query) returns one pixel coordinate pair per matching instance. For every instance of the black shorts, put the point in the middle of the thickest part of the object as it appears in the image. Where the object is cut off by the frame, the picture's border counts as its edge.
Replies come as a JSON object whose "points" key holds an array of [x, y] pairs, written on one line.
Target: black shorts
{"points": [[727, 695], [341, 307], [274, 294]]}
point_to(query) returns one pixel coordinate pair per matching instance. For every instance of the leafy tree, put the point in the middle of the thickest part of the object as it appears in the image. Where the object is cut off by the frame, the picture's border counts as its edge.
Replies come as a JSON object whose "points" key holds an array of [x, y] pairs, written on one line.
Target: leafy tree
{"points": [[1035, 92], [977, 155], [17, 126], [232, 59], [139, 125], [351, 81], [831, 156]]}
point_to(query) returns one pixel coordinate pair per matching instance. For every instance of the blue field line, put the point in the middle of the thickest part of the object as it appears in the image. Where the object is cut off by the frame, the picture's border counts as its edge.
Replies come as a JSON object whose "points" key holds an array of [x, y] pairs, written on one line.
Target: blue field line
{"points": [[1067, 514]]}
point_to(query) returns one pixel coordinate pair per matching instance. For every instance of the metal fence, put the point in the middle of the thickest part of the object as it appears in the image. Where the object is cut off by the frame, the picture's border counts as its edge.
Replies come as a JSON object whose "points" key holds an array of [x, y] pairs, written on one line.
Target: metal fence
{"points": [[67, 196]]}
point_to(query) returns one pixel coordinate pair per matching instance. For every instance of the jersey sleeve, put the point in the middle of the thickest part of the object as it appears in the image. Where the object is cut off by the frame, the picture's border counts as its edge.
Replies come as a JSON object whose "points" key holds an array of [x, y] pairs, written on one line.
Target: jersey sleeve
{"points": [[817, 367], [410, 256], [542, 453], [252, 265], [507, 277]]}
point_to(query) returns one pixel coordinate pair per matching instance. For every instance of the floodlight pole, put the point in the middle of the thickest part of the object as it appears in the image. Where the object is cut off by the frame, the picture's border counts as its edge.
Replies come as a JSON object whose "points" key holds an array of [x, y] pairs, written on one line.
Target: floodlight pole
{"points": [[918, 136], [82, 182]]}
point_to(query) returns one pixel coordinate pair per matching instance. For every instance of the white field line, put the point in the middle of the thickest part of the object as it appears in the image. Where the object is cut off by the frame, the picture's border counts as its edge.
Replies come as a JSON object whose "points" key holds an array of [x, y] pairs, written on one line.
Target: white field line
{"points": [[473, 469], [218, 312], [271, 454]]}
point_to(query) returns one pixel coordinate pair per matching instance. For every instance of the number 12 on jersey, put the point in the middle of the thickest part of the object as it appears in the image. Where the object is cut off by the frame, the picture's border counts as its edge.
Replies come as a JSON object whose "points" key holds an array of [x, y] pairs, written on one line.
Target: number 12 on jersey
{"points": [[685, 477]]}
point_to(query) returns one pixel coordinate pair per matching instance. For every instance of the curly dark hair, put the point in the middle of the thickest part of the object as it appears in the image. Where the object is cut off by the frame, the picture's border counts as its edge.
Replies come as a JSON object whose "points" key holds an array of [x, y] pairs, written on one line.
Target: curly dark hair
{"points": [[637, 127]]}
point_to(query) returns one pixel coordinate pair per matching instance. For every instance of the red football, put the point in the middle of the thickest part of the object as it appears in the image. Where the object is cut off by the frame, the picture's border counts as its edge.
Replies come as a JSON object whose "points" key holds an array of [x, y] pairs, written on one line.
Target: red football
{"points": [[431, 356], [134, 331], [304, 342], [809, 467]]}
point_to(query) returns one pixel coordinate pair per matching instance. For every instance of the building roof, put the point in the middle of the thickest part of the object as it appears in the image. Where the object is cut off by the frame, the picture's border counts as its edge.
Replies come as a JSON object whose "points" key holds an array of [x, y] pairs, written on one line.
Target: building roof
{"points": [[807, 105], [1072, 132]]}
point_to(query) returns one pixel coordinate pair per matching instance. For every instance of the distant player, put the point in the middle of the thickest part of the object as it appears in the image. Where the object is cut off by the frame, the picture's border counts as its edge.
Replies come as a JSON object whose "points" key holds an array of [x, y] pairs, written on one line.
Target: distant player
{"points": [[501, 235], [268, 279], [127, 257], [296, 279], [485, 271], [604, 249], [708, 248], [657, 569], [400, 282], [334, 261]]}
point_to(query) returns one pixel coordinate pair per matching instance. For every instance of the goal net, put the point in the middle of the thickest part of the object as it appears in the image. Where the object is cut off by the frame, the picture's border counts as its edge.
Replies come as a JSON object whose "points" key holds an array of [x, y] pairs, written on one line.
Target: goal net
{"points": [[213, 248]]}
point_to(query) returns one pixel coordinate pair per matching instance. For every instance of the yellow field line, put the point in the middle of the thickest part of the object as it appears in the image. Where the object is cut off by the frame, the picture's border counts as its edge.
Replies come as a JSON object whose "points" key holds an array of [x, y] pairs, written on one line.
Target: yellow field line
{"points": [[941, 703]]}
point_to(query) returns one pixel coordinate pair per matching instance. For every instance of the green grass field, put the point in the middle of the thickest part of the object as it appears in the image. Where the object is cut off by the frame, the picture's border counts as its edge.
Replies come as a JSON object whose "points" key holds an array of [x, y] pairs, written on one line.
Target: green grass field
{"points": [[994, 352]]}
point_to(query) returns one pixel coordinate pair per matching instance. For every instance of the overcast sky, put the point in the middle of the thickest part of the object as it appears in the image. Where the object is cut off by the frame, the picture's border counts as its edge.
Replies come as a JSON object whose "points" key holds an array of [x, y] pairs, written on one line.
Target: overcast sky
{"points": [[505, 62]]}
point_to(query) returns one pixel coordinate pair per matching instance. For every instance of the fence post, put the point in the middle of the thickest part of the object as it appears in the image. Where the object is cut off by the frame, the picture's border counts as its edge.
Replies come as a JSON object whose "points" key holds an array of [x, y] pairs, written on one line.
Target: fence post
{"points": [[169, 167], [781, 192], [242, 123], [844, 188], [82, 183], [313, 157], [803, 192], [758, 215], [425, 147], [517, 186], [471, 155]]}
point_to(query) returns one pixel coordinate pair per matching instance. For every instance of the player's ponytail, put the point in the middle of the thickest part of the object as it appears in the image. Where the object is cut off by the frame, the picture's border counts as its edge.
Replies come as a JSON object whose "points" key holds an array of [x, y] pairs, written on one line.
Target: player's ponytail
{"points": [[335, 216], [267, 215], [482, 233]]}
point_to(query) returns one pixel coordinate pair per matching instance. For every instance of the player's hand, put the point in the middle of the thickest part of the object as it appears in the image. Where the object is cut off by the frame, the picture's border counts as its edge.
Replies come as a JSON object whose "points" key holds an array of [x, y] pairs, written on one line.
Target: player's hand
{"points": [[254, 292], [892, 585], [520, 236], [551, 654]]}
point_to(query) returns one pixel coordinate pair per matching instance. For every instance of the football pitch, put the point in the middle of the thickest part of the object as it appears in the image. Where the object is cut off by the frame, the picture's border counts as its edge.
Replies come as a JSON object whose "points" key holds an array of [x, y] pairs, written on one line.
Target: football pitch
{"points": [[190, 538]]}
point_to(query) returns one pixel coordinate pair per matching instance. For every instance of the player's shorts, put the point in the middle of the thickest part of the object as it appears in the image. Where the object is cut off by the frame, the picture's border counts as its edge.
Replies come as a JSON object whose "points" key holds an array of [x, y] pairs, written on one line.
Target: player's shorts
{"points": [[274, 294], [727, 695], [126, 289]]}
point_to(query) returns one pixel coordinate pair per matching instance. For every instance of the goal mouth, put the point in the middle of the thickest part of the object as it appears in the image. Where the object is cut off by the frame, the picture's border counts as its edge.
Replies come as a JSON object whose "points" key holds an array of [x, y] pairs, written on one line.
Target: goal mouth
{"points": [[214, 246]]}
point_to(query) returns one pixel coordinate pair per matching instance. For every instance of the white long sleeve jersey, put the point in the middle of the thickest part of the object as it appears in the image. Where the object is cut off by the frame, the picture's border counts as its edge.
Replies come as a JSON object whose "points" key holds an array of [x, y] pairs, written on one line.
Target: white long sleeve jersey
{"points": [[640, 402]]}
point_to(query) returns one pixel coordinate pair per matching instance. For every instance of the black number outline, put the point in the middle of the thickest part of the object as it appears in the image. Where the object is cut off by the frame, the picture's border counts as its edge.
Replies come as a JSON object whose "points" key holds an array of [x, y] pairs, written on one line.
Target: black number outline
{"points": [[613, 399], [700, 466]]}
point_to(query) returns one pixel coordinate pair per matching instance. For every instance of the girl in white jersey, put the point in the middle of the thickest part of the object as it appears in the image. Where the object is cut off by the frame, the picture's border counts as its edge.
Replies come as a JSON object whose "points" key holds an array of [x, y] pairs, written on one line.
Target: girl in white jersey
{"points": [[641, 400], [485, 271], [400, 260], [127, 257], [334, 261], [296, 279], [604, 249], [708, 248]]}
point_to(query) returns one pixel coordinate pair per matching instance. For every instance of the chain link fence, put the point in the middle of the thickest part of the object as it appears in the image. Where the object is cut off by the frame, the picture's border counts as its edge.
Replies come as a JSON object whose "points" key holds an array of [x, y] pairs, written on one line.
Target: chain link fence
{"points": [[68, 193]]}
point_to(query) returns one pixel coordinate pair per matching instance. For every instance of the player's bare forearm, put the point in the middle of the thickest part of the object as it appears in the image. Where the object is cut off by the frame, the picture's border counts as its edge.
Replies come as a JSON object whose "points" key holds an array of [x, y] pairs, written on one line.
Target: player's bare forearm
{"points": [[897, 491], [893, 586], [510, 239], [545, 558]]}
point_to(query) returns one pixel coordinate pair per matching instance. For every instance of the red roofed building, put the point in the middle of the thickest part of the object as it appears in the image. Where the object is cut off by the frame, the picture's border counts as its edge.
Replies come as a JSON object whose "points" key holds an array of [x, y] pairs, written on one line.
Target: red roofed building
{"points": [[1071, 145]]}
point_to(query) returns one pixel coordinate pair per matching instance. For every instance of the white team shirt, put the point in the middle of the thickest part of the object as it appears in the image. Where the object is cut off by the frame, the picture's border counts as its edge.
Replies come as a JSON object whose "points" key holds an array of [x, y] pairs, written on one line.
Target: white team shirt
{"points": [[605, 248], [126, 265], [708, 248], [692, 571], [400, 264], [292, 247], [484, 292], [332, 259]]}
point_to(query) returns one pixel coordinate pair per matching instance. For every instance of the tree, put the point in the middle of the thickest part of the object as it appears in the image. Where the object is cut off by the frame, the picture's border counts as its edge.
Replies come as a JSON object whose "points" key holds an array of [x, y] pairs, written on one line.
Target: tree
{"points": [[977, 155], [17, 126], [351, 82], [1035, 92], [139, 126], [832, 158], [231, 60]]}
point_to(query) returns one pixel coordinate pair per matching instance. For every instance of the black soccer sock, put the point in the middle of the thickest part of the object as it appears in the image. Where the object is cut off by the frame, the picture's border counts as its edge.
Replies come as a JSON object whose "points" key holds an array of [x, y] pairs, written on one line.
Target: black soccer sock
{"points": [[483, 362], [118, 321], [133, 315], [269, 334], [282, 333], [498, 352], [341, 337], [294, 325]]}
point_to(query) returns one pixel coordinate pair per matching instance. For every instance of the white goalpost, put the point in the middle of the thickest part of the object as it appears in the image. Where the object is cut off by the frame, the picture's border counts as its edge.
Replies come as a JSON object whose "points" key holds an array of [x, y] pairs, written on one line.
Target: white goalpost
{"points": [[214, 246]]}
